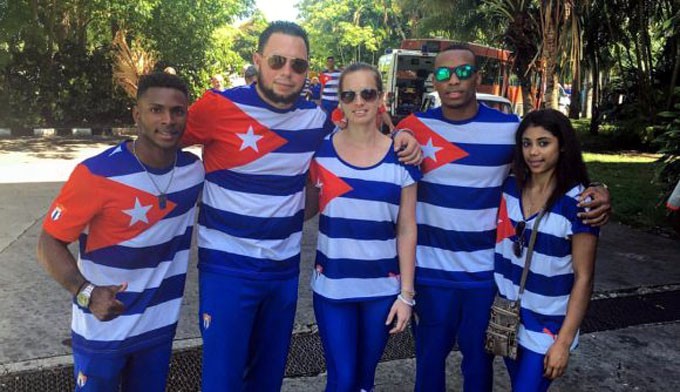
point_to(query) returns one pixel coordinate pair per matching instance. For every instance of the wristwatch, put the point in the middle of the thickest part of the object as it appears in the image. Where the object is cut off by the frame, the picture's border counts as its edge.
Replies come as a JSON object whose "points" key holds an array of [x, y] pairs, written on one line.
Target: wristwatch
{"points": [[83, 297]]}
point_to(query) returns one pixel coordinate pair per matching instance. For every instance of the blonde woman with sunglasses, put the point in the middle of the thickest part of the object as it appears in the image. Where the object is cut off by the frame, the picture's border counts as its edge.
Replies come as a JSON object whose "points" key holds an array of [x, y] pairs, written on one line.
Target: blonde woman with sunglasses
{"points": [[364, 269]]}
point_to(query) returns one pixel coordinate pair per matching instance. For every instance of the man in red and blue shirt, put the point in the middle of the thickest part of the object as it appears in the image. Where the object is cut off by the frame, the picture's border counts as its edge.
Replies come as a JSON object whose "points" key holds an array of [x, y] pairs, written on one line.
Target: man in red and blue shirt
{"points": [[132, 210], [467, 149], [330, 79], [258, 145]]}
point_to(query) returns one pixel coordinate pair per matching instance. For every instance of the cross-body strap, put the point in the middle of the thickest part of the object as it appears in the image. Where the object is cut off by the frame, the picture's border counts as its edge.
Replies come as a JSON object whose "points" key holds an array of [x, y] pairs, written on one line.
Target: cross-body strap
{"points": [[530, 252]]}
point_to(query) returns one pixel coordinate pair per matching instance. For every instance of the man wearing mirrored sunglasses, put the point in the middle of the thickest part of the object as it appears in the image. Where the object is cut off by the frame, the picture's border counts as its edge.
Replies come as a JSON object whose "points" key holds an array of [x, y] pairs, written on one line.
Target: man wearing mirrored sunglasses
{"points": [[467, 150], [258, 144]]}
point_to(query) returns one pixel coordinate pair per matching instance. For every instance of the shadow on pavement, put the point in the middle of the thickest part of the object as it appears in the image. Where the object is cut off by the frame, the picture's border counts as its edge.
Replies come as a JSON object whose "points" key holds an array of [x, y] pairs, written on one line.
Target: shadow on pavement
{"points": [[55, 147]]}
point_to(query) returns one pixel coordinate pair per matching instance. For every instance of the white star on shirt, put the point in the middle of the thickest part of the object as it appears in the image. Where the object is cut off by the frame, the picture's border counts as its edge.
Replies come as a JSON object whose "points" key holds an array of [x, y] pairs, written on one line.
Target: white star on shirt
{"points": [[430, 150], [249, 139], [138, 212], [116, 151], [319, 185]]}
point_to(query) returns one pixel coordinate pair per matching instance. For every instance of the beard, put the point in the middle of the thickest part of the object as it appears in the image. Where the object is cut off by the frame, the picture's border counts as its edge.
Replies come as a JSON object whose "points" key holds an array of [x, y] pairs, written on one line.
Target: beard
{"points": [[278, 98]]}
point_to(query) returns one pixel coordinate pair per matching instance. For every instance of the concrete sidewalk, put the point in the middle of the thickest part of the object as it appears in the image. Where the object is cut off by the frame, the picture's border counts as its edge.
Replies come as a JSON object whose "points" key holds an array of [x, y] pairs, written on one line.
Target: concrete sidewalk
{"points": [[36, 311]]}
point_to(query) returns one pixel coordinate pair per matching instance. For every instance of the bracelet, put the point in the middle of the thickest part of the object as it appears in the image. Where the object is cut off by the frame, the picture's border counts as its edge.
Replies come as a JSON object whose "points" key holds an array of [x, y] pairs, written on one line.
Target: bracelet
{"points": [[410, 293], [407, 302], [396, 132]]}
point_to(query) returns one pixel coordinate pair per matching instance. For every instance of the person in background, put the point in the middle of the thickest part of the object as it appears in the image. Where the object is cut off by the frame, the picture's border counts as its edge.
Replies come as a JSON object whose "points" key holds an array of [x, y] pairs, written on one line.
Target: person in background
{"points": [[132, 209], [217, 82], [250, 75], [306, 90], [329, 78], [365, 260], [673, 205], [315, 91], [549, 175]]}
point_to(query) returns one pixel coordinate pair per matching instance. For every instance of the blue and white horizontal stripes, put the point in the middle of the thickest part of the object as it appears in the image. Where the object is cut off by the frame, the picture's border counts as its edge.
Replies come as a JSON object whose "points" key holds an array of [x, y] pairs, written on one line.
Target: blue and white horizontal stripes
{"points": [[330, 88], [356, 256], [250, 223], [458, 201], [551, 275], [153, 263]]}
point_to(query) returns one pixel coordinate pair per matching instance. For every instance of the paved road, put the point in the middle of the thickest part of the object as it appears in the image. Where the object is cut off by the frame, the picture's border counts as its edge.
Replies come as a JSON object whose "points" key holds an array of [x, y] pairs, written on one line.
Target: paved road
{"points": [[35, 310]]}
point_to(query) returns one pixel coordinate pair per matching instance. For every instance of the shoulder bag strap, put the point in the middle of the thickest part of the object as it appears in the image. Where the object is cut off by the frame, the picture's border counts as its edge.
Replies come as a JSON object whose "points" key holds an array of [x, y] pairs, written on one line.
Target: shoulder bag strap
{"points": [[530, 252]]}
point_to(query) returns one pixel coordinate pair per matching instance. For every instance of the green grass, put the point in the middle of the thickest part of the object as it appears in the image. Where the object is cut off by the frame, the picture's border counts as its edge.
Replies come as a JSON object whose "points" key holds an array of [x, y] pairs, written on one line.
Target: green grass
{"points": [[636, 199], [631, 176]]}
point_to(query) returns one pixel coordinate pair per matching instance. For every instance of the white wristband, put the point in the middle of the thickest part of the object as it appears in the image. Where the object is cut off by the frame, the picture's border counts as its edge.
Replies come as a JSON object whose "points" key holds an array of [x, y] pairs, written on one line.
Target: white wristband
{"points": [[407, 302], [398, 131]]}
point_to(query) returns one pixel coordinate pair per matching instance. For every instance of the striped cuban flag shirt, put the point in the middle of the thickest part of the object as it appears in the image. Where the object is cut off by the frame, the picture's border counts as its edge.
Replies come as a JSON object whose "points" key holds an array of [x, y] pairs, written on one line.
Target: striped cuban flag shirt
{"points": [[256, 159], [356, 257], [551, 274], [330, 80], [464, 166], [110, 205]]}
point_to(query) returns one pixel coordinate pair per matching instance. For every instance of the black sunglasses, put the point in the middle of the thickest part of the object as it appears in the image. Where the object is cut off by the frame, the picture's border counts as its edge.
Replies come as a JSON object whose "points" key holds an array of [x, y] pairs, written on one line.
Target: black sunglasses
{"points": [[277, 62], [367, 94], [463, 72], [518, 245]]}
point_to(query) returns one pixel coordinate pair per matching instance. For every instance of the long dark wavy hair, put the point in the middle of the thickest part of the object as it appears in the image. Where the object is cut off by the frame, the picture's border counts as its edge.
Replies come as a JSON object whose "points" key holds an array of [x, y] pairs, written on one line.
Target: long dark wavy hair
{"points": [[570, 169]]}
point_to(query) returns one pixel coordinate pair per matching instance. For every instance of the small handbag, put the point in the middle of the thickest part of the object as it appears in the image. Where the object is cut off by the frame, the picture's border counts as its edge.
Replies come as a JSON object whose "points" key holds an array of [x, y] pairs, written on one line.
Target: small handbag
{"points": [[501, 333]]}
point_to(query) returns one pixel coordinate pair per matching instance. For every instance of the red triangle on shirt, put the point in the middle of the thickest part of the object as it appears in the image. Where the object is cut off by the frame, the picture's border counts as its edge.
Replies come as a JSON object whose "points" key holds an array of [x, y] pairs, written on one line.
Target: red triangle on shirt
{"points": [[240, 138], [504, 228], [133, 211], [437, 151], [324, 78], [330, 186]]}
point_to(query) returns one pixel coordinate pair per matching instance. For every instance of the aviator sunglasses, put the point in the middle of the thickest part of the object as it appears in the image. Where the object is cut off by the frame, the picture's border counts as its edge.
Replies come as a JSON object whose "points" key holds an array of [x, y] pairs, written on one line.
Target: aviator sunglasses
{"points": [[277, 62], [463, 72], [518, 245], [367, 94]]}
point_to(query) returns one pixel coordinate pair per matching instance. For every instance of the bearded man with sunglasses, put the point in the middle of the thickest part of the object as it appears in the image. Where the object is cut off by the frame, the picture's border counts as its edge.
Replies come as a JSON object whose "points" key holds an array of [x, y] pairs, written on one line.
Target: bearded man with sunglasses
{"points": [[258, 144], [467, 150]]}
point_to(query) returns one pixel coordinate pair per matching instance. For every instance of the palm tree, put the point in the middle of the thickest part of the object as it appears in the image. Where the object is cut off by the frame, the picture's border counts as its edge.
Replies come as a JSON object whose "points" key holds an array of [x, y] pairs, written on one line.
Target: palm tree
{"points": [[130, 63], [520, 34]]}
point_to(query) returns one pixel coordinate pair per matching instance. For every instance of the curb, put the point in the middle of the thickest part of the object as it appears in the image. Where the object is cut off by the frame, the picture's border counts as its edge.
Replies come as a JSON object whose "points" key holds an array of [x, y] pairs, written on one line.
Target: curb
{"points": [[66, 132]]}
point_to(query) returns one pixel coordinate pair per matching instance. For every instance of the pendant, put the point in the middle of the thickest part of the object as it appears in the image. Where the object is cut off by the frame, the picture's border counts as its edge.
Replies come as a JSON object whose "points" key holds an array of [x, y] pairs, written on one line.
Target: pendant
{"points": [[162, 198]]}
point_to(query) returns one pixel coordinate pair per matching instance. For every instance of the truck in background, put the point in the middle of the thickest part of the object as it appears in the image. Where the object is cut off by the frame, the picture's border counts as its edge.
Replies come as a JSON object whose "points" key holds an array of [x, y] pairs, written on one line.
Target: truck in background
{"points": [[408, 73]]}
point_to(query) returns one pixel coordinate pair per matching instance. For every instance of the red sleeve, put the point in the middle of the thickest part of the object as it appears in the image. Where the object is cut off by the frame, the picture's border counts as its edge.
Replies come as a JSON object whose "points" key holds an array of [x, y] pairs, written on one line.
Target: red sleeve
{"points": [[201, 120], [75, 206]]}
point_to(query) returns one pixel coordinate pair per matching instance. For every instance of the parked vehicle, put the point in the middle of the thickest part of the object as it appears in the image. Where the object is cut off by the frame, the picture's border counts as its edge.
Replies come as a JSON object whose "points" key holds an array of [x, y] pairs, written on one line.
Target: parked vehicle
{"points": [[408, 73]]}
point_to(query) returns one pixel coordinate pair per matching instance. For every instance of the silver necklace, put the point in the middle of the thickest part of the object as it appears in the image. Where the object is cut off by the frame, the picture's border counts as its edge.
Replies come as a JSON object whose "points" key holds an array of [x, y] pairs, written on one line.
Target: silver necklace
{"points": [[162, 195]]}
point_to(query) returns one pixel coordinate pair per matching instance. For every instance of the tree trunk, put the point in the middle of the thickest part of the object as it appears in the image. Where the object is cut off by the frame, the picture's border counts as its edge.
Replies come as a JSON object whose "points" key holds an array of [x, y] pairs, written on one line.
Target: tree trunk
{"points": [[595, 102], [550, 42], [642, 85], [674, 75], [527, 98], [575, 106]]}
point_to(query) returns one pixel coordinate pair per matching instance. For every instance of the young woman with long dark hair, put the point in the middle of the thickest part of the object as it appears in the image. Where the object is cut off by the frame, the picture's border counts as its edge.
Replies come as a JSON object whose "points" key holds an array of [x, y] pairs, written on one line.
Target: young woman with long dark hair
{"points": [[549, 174]]}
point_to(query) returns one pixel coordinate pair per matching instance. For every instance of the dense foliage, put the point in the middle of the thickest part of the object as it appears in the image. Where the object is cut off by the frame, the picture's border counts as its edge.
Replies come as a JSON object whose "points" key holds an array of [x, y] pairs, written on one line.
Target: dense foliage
{"points": [[56, 57], [620, 57]]}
